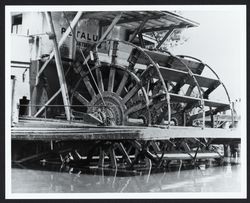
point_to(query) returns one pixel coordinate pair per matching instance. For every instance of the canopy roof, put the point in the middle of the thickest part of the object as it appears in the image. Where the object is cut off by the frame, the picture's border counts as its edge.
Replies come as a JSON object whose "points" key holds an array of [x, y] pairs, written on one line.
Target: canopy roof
{"points": [[131, 20]]}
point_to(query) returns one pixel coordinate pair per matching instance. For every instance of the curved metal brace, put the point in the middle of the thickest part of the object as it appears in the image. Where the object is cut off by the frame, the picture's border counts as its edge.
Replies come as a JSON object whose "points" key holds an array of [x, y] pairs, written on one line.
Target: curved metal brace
{"points": [[228, 97], [153, 63], [211, 69], [198, 86]]}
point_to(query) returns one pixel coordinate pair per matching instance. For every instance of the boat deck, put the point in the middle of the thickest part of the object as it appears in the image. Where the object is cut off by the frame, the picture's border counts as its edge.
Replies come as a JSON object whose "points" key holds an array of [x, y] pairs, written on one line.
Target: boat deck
{"points": [[51, 129]]}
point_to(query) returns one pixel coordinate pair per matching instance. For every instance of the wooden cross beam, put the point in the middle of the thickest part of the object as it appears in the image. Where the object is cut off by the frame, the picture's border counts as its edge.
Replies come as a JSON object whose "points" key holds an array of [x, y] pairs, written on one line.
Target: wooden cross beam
{"points": [[112, 25], [170, 31], [139, 29]]}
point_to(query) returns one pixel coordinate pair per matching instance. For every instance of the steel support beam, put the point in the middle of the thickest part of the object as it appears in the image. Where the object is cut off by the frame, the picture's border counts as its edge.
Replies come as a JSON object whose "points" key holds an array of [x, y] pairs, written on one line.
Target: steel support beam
{"points": [[59, 67]]}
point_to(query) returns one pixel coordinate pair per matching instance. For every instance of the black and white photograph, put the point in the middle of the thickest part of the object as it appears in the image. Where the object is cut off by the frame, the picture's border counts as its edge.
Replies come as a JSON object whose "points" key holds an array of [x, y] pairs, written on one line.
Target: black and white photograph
{"points": [[125, 102]]}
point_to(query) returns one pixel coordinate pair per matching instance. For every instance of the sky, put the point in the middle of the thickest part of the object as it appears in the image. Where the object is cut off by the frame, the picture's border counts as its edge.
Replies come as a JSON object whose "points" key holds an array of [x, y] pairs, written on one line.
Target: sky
{"points": [[219, 42]]}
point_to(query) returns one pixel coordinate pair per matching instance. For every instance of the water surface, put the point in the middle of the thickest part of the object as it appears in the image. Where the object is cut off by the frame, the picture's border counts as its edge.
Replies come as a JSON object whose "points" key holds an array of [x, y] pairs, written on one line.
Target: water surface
{"points": [[53, 179]]}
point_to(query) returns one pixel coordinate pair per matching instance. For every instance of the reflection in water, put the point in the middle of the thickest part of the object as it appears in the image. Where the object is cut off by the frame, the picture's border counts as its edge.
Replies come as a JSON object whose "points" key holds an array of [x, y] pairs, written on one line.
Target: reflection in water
{"points": [[54, 178]]}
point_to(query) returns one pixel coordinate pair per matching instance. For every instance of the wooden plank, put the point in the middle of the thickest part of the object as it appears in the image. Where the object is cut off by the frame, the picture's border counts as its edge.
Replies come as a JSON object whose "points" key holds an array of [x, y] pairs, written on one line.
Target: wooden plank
{"points": [[188, 99], [185, 99], [148, 133], [155, 147], [80, 98], [133, 19], [111, 79], [158, 57], [181, 63], [141, 40], [47, 103], [122, 84], [211, 89], [124, 153], [199, 115], [150, 156], [135, 108], [176, 89], [160, 18], [181, 156], [33, 157], [111, 26], [76, 131], [166, 60], [112, 157], [154, 22], [25, 123], [90, 88], [99, 79], [138, 30], [132, 59], [178, 75], [216, 104], [189, 90], [101, 157], [131, 93], [162, 28]]}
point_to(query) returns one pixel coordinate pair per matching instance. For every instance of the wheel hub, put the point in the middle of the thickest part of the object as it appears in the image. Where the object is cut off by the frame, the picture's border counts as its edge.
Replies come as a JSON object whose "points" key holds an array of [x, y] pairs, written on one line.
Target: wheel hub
{"points": [[112, 110]]}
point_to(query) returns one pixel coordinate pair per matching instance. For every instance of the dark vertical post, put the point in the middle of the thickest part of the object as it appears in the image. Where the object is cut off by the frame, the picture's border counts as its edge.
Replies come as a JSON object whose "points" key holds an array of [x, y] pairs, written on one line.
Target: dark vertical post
{"points": [[59, 67], [14, 112]]}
